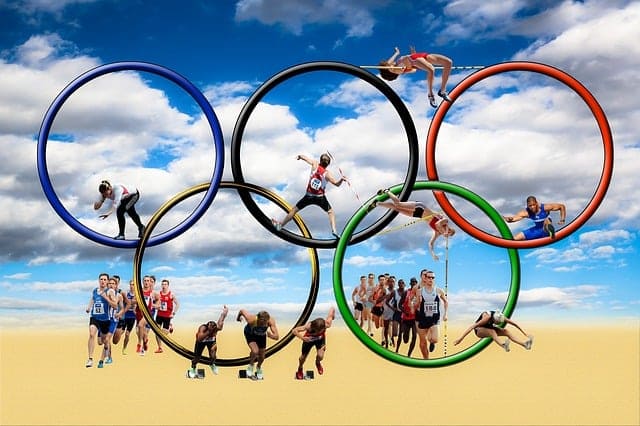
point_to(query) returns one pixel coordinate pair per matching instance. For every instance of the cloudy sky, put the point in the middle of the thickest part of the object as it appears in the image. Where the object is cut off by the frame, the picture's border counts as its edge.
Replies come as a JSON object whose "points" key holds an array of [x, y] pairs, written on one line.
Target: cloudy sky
{"points": [[508, 137]]}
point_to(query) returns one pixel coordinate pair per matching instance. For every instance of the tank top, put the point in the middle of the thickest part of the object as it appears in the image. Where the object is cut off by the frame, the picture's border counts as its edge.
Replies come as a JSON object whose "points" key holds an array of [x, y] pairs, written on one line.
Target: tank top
{"points": [[100, 308], [317, 182], [430, 304], [166, 305]]}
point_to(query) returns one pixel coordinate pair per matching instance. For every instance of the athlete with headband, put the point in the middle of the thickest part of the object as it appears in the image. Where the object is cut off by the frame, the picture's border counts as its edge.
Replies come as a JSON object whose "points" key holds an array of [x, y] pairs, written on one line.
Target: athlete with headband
{"points": [[487, 325], [418, 61], [124, 199], [438, 223], [315, 194], [539, 213]]}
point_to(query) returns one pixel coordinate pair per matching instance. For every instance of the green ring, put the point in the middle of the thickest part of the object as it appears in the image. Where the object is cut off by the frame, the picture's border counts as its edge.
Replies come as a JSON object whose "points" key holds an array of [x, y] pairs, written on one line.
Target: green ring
{"points": [[343, 305]]}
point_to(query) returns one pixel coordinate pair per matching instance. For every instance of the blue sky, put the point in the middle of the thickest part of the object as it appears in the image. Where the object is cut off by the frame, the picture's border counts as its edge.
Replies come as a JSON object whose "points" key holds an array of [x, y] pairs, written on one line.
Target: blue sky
{"points": [[508, 137]]}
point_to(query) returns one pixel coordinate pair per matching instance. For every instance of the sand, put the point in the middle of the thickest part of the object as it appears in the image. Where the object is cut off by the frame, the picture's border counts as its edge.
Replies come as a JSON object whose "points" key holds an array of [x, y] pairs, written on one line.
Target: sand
{"points": [[575, 376]]}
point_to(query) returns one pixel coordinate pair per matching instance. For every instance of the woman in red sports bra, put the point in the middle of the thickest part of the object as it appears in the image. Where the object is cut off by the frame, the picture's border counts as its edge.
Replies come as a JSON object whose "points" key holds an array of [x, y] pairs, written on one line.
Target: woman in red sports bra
{"points": [[438, 222], [419, 61]]}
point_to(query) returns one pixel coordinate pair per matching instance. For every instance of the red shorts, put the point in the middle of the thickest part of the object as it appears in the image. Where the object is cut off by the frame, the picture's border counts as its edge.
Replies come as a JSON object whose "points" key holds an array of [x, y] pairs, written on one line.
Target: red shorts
{"points": [[415, 56]]}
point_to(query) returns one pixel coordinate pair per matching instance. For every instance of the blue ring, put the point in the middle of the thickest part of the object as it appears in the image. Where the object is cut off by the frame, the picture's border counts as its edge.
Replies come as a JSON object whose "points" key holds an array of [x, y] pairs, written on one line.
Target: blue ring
{"points": [[185, 84]]}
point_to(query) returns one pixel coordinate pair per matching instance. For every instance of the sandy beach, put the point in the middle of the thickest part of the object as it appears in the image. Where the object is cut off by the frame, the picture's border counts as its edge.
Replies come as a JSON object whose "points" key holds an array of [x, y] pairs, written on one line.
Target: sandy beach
{"points": [[577, 376]]}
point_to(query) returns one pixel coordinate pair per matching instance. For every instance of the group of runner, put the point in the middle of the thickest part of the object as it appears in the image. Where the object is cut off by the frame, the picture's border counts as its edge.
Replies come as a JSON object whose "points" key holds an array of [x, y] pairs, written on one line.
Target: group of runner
{"points": [[114, 312]]}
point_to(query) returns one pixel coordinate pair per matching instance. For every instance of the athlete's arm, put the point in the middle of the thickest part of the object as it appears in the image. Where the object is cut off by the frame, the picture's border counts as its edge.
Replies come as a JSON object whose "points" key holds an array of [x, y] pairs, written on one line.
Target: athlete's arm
{"points": [[330, 317], [552, 207], [272, 332], [518, 216], [223, 315], [336, 182]]}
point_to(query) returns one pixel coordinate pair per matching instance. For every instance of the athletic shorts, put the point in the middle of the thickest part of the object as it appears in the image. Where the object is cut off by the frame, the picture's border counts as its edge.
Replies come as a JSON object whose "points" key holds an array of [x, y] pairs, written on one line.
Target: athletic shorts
{"points": [[163, 322], [113, 326], [428, 322], [129, 323], [534, 233], [358, 306], [306, 346], [260, 340], [377, 310], [418, 211], [102, 326], [320, 201]]}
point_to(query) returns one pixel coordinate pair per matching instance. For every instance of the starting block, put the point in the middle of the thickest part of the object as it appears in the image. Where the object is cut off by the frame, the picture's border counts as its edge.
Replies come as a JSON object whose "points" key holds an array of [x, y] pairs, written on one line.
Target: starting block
{"points": [[199, 374], [242, 374], [308, 375]]}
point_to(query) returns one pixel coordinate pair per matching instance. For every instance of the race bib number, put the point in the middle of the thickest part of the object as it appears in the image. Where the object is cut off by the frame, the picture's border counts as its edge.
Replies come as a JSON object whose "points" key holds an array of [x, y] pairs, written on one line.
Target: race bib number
{"points": [[315, 184], [163, 306], [430, 308], [98, 308]]}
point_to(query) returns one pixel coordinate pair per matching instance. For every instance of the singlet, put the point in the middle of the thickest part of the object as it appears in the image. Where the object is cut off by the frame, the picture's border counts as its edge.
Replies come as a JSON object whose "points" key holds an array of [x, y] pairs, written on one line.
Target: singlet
{"points": [[166, 304], [491, 323], [317, 182], [130, 313], [100, 308], [407, 312], [255, 330], [376, 294], [434, 220], [314, 337], [430, 304], [412, 58], [538, 218]]}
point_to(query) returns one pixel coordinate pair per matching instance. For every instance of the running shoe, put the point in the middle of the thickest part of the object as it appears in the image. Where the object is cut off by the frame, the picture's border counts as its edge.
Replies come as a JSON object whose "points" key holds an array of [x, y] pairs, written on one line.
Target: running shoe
{"points": [[108, 361], [100, 364], [551, 231], [505, 345], [89, 363], [319, 368], [192, 373], [382, 191], [170, 328], [214, 369], [249, 370], [529, 343], [432, 101], [142, 352], [335, 235], [119, 237], [158, 351], [259, 375], [124, 351], [141, 231], [443, 94], [276, 225], [372, 206], [138, 348], [432, 347], [299, 374]]}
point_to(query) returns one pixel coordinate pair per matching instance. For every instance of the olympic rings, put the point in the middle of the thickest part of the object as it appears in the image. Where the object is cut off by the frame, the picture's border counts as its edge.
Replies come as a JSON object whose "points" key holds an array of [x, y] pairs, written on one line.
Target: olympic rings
{"points": [[185, 84], [137, 267], [598, 113], [293, 71], [353, 325]]}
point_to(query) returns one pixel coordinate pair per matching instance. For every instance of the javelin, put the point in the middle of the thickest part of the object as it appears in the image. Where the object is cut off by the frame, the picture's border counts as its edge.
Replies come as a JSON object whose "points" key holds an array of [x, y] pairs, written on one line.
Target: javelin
{"points": [[383, 67], [347, 180]]}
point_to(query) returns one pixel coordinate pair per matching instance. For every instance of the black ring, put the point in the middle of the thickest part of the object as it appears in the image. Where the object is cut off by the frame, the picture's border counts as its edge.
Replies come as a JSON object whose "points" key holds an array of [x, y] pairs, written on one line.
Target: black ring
{"points": [[137, 273], [398, 104]]}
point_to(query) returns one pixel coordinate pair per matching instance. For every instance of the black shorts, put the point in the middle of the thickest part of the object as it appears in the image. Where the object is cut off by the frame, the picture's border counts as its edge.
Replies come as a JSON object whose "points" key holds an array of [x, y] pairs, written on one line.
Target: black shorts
{"points": [[377, 311], [418, 211], [320, 201], [306, 346], [163, 322], [358, 306], [102, 326], [122, 325], [428, 322], [129, 323], [259, 339], [397, 316]]}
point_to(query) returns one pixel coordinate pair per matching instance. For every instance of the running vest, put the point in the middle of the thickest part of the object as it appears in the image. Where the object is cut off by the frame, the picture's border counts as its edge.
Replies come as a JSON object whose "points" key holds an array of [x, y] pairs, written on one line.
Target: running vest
{"points": [[257, 331], [100, 308], [166, 305], [430, 304], [314, 337], [130, 313], [540, 217], [317, 182]]}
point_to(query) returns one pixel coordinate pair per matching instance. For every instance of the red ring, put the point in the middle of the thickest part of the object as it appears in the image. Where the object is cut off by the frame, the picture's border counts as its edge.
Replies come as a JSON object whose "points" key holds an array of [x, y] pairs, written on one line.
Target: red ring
{"points": [[597, 112]]}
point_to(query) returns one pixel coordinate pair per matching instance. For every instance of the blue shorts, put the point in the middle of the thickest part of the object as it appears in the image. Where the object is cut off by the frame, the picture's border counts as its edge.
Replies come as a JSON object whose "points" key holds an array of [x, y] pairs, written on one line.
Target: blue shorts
{"points": [[535, 232]]}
